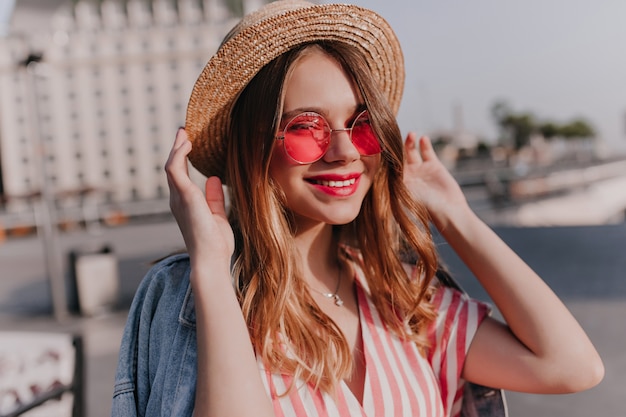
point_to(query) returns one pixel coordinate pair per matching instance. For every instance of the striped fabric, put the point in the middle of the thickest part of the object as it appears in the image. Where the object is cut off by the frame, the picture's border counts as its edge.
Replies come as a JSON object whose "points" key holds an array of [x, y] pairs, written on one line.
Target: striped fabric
{"points": [[399, 381]]}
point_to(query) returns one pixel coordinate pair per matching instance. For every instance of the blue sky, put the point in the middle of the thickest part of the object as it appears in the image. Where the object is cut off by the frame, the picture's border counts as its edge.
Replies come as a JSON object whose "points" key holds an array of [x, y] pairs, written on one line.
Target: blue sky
{"points": [[5, 9], [559, 59]]}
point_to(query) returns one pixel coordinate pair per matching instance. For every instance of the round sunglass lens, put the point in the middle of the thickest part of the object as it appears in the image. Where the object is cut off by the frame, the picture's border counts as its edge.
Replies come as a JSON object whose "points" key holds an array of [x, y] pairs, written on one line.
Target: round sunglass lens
{"points": [[363, 136], [306, 138]]}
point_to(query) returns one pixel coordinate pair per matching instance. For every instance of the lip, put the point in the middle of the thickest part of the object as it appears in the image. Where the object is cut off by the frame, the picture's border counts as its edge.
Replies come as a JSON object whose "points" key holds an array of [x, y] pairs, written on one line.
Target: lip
{"points": [[336, 185]]}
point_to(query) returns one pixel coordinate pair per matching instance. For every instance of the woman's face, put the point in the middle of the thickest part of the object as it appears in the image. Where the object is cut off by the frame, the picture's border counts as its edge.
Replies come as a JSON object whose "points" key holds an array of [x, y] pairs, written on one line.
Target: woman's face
{"points": [[330, 190]]}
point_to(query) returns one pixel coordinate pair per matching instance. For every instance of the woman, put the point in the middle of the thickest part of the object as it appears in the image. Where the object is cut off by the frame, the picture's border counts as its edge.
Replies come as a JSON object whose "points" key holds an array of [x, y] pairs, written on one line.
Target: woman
{"points": [[297, 302]]}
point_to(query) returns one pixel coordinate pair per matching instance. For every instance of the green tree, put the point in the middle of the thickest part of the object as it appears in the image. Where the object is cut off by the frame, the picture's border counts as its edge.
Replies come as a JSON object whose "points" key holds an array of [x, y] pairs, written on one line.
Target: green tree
{"points": [[549, 130], [515, 128], [577, 129]]}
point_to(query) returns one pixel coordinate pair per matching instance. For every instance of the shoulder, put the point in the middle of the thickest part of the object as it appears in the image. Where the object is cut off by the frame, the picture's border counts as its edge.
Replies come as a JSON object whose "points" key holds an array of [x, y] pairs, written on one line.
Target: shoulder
{"points": [[458, 317], [455, 306], [167, 275], [166, 290], [170, 270]]}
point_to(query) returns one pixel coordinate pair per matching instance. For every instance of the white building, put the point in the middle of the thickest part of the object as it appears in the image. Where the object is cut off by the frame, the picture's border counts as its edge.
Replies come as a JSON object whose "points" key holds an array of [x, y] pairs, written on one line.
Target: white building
{"points": [[91, 123]]}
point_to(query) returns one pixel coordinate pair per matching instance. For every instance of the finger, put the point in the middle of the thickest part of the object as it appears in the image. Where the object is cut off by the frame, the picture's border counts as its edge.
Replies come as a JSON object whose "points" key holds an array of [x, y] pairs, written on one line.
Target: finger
{"points": [[181, 139], [215, 196], [181, 136], [176, 165], [410, 145], [426, 149]]}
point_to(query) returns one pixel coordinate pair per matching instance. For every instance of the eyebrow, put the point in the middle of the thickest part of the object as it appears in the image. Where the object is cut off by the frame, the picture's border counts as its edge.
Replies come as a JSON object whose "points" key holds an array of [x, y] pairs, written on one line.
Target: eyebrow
{"points": [[319, 110]]}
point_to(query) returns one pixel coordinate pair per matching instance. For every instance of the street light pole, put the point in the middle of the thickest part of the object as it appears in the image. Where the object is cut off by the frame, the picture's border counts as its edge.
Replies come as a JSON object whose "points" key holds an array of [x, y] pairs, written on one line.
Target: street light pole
{"points": [[45, 212]]}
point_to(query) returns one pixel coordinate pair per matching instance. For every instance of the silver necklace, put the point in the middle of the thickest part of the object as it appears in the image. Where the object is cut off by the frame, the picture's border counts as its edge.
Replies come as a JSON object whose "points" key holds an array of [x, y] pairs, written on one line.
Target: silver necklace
{"points": [[334, 295]]}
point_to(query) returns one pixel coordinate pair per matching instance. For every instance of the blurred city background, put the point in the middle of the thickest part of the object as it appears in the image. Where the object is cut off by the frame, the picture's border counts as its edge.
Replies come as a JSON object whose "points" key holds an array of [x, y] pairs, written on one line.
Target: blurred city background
{"points": [[525, 102]]}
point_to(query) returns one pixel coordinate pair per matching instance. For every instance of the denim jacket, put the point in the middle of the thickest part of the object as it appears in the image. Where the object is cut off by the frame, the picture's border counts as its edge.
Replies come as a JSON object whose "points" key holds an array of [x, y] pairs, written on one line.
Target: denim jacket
{"points": [[156, 373]]}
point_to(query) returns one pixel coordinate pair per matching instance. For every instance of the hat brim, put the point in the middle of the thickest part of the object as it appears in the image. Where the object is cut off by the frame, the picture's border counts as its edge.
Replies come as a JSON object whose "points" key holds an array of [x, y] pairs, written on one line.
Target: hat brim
{"points": [[241, 57]]}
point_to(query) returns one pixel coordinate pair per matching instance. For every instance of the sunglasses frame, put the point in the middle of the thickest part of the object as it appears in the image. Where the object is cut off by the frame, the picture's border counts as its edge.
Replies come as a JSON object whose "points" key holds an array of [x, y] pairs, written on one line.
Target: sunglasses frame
{"points": [[330, 132]]}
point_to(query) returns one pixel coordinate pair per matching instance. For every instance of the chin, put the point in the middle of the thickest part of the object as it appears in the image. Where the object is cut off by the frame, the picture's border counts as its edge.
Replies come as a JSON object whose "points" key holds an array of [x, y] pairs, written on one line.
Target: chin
{"points": [[339, 220]]}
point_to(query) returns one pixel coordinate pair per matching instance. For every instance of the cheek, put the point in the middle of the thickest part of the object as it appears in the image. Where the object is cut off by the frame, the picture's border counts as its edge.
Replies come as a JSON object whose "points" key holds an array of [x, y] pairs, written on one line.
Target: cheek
{"points": [[373, 164], [280, 164], [279, 157]]}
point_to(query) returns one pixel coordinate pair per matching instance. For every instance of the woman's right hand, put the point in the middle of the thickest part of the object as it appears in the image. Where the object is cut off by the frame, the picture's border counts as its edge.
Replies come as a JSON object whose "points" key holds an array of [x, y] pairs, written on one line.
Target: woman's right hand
{"points": [[226, 362], [201, 217]]}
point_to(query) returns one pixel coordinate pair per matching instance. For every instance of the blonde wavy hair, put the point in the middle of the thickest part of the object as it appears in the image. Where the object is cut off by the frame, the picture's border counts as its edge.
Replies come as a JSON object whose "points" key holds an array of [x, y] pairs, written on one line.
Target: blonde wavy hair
{"points": [[288, 330]]}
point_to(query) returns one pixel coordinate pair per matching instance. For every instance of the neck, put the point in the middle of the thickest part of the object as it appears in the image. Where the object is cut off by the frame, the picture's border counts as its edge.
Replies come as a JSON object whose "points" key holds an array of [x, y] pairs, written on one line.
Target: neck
{"points": [[318, 252], [314, 239]]}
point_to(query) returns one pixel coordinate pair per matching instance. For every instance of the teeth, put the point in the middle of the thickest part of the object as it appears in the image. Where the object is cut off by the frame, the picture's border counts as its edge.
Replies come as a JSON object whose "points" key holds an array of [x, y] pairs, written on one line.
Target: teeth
{"points": [[337, 184]]}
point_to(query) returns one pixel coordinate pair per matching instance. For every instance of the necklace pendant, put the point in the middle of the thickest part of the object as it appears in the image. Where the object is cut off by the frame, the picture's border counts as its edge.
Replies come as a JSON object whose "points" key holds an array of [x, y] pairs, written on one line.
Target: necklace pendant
{"points": [[338, 300]]}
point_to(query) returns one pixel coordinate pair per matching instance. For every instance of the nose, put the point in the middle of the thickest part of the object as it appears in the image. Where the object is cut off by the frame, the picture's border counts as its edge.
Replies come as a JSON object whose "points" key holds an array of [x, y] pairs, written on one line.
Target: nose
{"points": [[341, 147]]}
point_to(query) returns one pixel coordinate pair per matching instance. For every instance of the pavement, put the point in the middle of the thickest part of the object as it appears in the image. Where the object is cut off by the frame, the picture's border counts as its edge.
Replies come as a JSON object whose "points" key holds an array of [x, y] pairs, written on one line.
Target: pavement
{"points": [[586, 266]]}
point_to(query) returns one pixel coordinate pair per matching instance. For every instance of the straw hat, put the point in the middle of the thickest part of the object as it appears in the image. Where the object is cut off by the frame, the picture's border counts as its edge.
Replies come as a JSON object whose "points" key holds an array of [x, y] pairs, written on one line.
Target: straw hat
{"points": [[266, 34]]}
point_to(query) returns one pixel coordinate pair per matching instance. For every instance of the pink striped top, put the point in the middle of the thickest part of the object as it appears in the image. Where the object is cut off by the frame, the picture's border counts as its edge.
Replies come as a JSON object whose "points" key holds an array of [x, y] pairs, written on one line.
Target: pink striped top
{"points": [[399, 381]]}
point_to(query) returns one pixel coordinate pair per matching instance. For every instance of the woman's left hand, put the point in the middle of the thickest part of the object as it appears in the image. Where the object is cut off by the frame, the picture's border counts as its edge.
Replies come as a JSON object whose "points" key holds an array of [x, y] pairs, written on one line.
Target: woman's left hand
{"points": [[430, 182], [541, 348]]}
